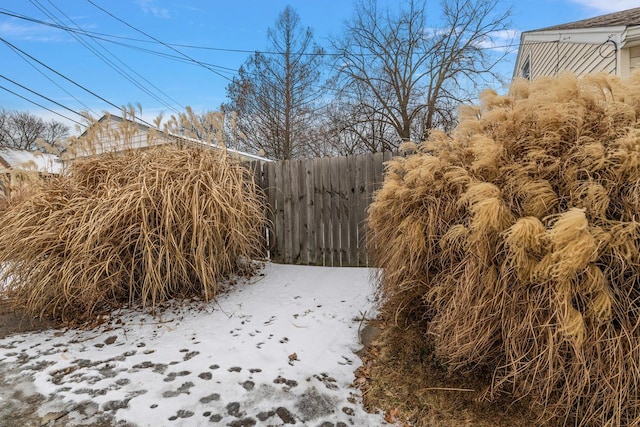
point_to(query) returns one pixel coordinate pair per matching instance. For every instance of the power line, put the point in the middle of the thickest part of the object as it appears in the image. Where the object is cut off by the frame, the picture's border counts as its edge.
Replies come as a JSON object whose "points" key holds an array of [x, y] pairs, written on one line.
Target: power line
{"points": [[107, 61], [159, 41], [40, 95], [123, 63], [68, 79], [21, 56], [108, 38], [103, 36], [40, 105]]}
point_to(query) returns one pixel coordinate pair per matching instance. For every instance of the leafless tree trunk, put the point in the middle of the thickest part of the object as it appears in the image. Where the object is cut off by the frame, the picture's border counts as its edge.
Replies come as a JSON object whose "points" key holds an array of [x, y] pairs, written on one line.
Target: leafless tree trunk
{"points": [[275, 93]]}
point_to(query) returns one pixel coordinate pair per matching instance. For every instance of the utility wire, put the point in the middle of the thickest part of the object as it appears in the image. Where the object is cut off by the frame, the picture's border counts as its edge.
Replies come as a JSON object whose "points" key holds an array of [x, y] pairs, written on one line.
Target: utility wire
{"points": [[109, 37], [159, 41], [22, 56], [106, 60], [40, 105], [125, 64], [69, 80], [42, 96]]}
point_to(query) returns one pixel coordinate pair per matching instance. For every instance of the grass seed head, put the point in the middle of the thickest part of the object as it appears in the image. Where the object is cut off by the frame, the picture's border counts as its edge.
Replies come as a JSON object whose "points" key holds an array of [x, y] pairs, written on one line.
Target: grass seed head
{"points": [[138, 227], [519, 254]]}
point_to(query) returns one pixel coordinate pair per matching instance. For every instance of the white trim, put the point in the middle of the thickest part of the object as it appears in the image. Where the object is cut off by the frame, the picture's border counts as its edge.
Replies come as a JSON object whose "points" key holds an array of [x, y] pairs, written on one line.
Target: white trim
{"points": [[583, 35]]}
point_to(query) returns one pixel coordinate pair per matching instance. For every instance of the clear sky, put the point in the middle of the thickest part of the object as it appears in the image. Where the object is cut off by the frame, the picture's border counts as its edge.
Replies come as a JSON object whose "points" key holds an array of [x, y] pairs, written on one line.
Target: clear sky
{"points": [[233, 29]]}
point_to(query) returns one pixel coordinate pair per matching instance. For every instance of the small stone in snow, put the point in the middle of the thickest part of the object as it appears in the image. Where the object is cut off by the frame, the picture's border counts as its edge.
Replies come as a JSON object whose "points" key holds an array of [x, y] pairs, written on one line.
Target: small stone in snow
{"points": [[205, 375], [210, 398], [285, 415]]}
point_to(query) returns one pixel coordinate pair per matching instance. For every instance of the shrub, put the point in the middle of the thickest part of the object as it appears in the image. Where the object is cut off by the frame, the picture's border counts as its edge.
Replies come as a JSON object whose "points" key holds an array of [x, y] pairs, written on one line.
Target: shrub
{"points": [[515, 244], [137, 227]]}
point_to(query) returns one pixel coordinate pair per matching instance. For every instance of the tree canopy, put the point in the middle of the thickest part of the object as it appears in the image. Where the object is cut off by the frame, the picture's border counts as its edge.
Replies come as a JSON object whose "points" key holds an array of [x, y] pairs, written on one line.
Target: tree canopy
{"points": [[275, 94], [26, 131]]}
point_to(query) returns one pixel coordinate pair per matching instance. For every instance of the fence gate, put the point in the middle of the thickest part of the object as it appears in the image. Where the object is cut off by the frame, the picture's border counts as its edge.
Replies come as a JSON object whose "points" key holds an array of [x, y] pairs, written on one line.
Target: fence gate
{"points": [[317, 207]]}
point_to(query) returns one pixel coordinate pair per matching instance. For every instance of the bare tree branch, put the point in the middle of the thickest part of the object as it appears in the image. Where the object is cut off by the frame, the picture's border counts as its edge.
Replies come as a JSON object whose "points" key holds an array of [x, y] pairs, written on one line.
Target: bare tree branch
{"points": [[25, 131], [275, 94], [407, 73]]}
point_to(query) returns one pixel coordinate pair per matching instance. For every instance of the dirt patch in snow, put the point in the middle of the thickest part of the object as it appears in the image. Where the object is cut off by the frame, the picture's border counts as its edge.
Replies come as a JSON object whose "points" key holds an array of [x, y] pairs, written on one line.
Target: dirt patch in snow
{"points": [[13, 322]]}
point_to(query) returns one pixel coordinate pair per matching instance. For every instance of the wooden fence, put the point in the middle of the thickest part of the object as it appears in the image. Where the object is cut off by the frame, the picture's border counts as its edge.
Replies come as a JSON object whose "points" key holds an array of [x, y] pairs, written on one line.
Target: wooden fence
{"points": [[317, 207]]}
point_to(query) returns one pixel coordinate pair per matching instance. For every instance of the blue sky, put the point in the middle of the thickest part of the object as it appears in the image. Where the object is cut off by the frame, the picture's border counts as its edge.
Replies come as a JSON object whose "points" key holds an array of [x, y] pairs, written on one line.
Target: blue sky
{"points": [[231, 26]]}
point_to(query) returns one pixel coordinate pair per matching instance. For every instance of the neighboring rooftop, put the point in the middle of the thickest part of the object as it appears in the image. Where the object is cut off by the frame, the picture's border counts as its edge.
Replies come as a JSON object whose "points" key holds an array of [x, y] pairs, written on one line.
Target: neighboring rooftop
{"points": [[109, 141], [13, 158], [629, 17]]}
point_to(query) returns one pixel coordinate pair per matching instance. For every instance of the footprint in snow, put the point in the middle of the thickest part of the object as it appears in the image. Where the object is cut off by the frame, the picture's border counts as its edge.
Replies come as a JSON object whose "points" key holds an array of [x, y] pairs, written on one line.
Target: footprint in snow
{"points": [[181, 414], [172, 375], [184, 388]]}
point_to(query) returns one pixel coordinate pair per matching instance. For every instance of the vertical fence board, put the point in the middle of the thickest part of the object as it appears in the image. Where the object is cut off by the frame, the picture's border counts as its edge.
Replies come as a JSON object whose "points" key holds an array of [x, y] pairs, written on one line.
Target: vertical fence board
{"points": [[309, 202], [303, 225], [327, 254], [287, 222], [360, 181], [370, 190], [295, 213], [279, 234], [270, 188], [317, 212], [354, 215], [336, 216], [255, 168], [345, 210]]}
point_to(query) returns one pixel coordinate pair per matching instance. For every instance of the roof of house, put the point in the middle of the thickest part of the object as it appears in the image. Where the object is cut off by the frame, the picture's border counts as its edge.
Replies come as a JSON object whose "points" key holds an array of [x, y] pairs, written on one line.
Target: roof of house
{"points": [[144, 127], [629, 17], [13, 158]]}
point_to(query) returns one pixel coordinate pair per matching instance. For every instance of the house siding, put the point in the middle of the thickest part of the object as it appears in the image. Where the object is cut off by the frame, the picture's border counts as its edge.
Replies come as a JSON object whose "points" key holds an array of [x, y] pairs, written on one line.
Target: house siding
{"points": [[554, 57], [634, 58], [113, 134]]}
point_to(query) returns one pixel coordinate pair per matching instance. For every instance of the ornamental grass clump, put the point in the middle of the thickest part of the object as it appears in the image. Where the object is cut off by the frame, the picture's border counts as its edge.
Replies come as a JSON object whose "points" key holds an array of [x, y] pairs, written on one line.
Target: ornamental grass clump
{"points": [[138, 227], [513, 244]]}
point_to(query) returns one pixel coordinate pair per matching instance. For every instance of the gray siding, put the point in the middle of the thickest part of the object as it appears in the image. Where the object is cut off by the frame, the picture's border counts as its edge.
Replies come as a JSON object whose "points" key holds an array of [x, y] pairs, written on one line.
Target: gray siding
{"points": [[551, 58]]}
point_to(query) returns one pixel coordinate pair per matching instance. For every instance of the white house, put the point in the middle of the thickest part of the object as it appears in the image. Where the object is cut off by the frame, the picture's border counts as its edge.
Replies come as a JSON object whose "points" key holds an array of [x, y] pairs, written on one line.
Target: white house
{"points": [[13, 159], [115, 134], [19, 167], [608, 43]]}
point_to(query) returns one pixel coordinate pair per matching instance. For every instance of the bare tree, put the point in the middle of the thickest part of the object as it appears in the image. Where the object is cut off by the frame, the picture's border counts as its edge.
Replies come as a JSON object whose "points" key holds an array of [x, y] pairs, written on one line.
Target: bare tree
{"points": [[410, 75], [356, 121], [275, 93], [24, 131]]}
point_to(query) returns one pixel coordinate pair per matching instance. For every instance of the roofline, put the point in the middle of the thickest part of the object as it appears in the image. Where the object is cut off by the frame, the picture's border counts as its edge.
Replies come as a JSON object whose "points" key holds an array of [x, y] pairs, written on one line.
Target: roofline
{"points": [[595, 35], [186, 138], [50, 158], [611, 28], [625, 18]]}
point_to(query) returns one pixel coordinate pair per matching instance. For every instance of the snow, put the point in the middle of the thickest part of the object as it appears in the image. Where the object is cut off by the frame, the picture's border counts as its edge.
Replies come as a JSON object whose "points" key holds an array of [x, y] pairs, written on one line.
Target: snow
{"points": [[31, 160], [277, 349]]}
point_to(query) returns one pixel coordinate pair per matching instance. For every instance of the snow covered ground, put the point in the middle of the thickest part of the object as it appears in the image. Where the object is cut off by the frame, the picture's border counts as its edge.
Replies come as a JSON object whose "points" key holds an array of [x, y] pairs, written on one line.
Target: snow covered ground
{"points": [[275, 350]]}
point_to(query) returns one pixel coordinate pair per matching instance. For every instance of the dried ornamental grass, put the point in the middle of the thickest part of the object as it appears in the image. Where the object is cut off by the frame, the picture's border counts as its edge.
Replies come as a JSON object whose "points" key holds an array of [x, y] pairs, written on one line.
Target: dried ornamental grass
{"points": [[139, 227], [514, 244]]}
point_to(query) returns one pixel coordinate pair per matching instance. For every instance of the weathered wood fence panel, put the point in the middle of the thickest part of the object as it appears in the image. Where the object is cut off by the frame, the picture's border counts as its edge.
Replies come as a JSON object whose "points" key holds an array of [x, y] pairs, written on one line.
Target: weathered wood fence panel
{"points": [[318, 207]]}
